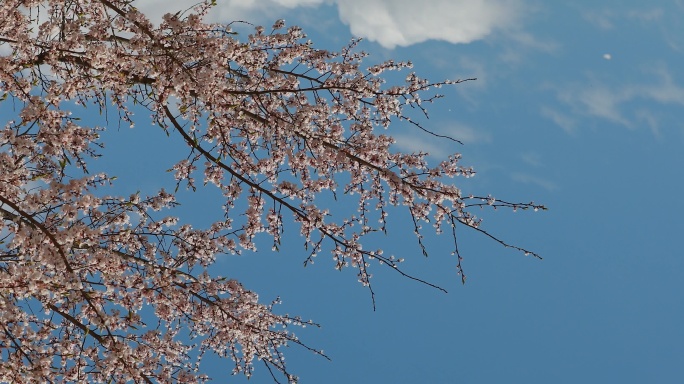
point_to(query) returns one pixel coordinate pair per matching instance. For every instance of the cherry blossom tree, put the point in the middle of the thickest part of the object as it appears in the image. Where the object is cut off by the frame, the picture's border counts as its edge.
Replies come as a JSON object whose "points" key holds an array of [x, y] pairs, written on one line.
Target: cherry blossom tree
{"points": [[279, 127]]}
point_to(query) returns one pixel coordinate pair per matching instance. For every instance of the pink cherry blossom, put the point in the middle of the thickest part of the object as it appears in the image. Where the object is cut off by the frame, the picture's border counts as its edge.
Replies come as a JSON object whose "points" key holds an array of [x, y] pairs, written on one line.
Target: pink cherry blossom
{"points": [[271, 121]]}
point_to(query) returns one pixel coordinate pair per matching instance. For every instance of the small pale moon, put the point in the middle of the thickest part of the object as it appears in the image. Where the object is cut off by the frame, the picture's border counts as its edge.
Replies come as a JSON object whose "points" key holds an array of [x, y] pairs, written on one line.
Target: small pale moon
{"points": [[607, 56]]}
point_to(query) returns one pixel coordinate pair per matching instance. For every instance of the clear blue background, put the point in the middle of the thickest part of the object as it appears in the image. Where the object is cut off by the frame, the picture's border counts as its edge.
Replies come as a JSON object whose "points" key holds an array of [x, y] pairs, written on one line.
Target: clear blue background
{"points": [[551, 118]]}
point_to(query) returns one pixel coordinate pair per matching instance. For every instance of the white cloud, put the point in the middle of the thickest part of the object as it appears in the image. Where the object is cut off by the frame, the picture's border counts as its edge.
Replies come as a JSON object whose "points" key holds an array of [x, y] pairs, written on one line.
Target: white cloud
{"points": [[391, 23], [406, 22]]}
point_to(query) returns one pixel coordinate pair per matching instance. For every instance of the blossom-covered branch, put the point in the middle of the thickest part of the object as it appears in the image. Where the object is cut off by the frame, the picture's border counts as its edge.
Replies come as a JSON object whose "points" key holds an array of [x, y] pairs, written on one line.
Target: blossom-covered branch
{"points": [[271, 121]]}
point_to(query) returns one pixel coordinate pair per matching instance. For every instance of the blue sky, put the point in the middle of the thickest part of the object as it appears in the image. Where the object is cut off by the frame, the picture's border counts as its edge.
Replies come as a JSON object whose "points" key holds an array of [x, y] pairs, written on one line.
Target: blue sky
{"points": [[578, 105]]}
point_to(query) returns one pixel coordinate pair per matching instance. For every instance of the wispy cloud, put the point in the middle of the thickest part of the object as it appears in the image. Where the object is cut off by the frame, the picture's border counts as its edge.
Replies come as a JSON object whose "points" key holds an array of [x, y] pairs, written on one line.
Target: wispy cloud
{"points": [[522, 43], [665, 91], [534, 180], [561, 119], [650, 119], [602, 19], [601, 101], [626, 104], [532, 158], [608, 18], [441, 147], [414, 143], [466, 133], [648, 15], [470, 67]]}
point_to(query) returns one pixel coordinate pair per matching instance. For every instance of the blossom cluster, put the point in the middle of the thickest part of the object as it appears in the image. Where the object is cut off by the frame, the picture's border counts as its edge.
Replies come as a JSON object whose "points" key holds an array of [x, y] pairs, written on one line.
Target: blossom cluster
{"points": [[277, 125]]}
